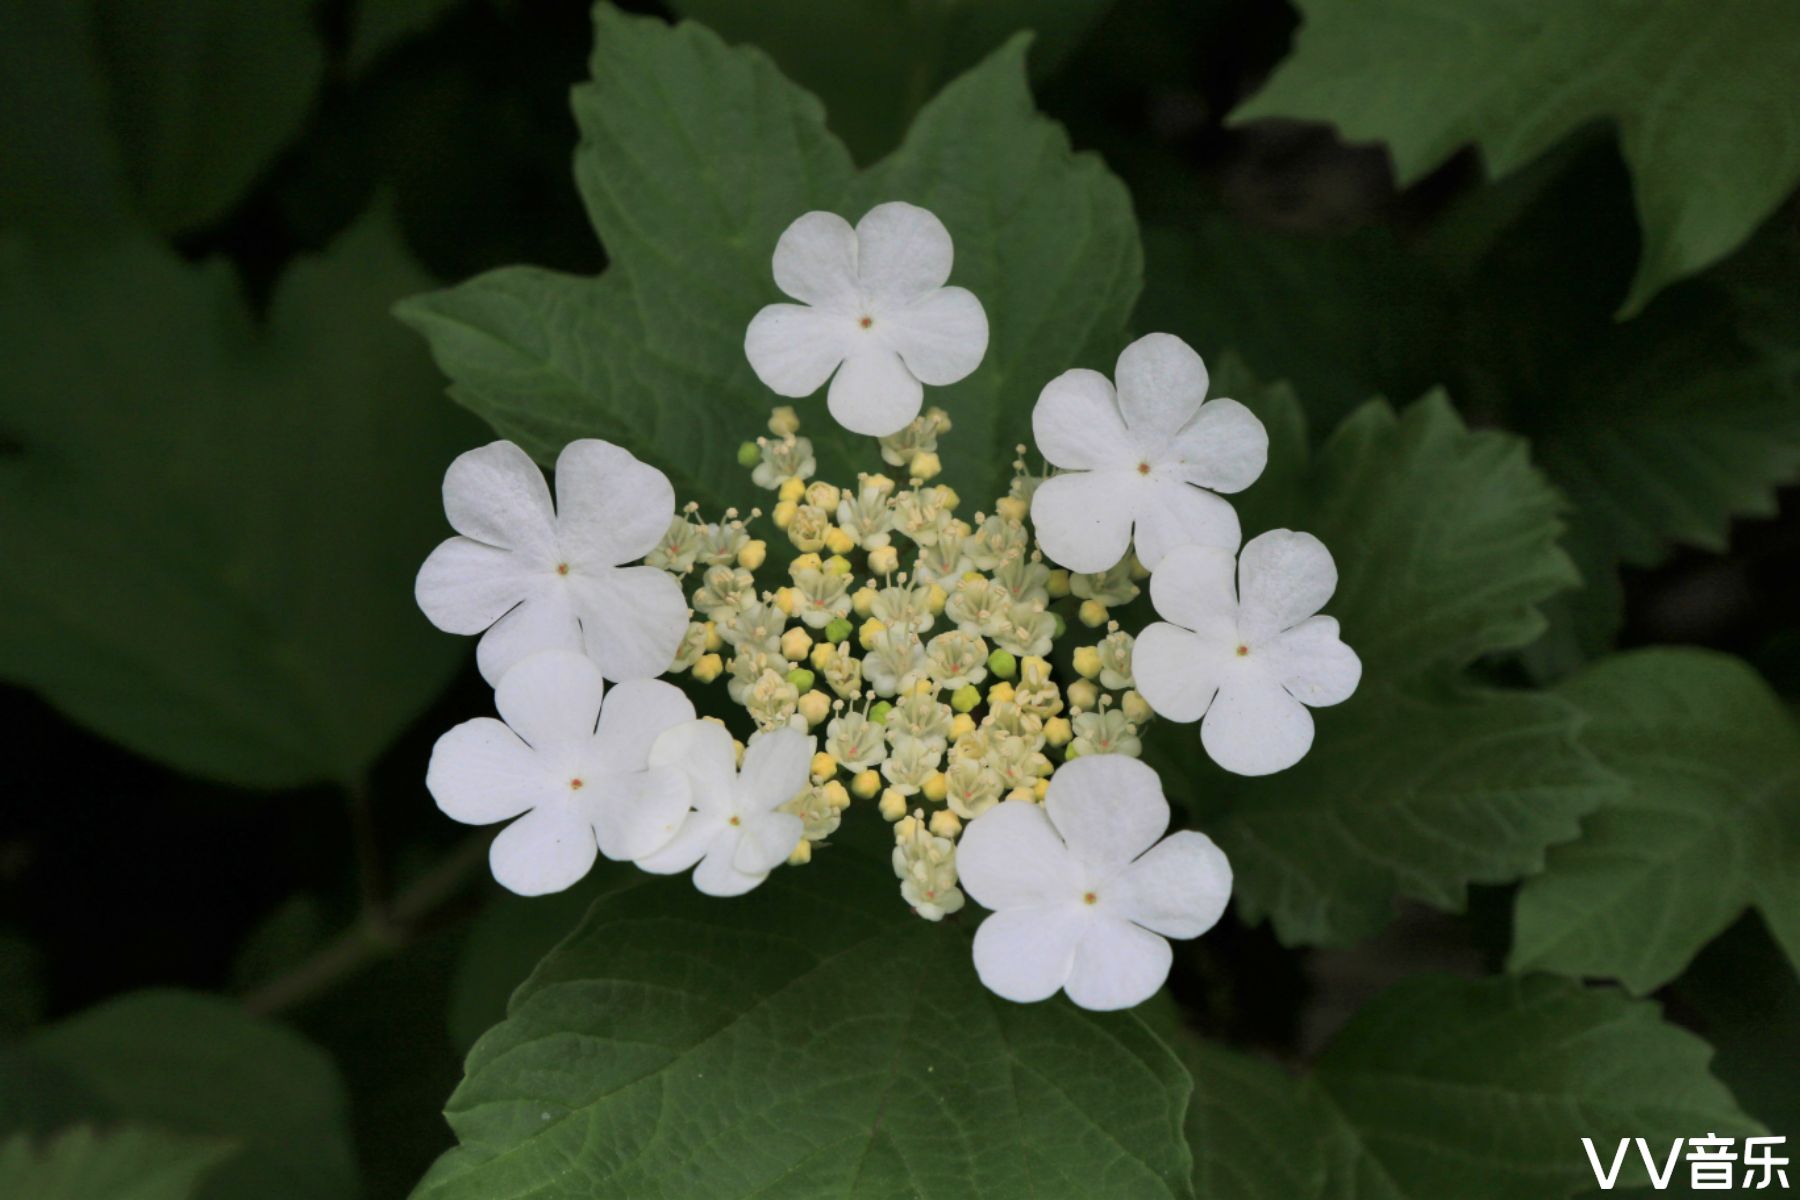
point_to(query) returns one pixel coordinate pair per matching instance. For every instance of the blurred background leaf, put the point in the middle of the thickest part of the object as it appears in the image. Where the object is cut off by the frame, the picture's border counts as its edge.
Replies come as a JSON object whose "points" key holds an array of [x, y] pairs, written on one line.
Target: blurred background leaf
{"points": [[124, 1164]]}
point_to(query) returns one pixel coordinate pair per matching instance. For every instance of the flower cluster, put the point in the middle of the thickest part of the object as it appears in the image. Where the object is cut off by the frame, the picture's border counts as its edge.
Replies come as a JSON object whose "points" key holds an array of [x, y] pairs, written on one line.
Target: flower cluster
{"points": [[890, 646]]}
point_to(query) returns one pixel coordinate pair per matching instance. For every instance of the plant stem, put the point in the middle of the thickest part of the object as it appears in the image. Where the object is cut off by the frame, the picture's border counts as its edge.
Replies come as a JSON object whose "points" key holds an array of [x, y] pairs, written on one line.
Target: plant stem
{"points": [[375, 936]]}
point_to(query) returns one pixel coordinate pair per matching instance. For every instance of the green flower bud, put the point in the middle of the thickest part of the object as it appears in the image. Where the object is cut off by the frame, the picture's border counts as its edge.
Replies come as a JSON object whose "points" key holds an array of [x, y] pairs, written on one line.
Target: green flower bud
{"points": [[837, 630], [1003, 664], [966, 697], [879, 713], [801, 678], [1062, 626], [749, 454]]}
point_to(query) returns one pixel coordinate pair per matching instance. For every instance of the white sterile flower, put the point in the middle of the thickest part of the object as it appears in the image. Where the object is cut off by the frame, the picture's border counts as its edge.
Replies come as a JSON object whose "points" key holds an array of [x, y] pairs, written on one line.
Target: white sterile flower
{"points": [[537, 578], [1083, 895], [1149, 455], [578, 770], [874, 310], [1247, 656], [735, 834]]}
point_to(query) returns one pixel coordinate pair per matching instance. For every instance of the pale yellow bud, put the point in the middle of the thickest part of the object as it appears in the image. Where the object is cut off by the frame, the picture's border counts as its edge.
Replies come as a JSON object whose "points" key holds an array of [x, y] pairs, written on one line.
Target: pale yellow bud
{"points": [[822, 495], [822, 656], [1058, 584], [783, 513], [1093, 614], [866, 785], [892, 806], [963, 724], [823, 765], [804, 562], [945, 824], [935, 598], [866, 635], [1087, 661], [1136, 709], [1058, 731], [708, 667], [839, 542], [1084, 695], [802, 854], [1013, 508], [784, 421], [947, 496], [837, 564], [815, 706], [935, 787], [1000, 693], [713, 640], [795, 643], [884, 560], [786, 599], [836, 796], [791, 491], [1040, 789], [925, 466], [862, 601], [753, 553]]}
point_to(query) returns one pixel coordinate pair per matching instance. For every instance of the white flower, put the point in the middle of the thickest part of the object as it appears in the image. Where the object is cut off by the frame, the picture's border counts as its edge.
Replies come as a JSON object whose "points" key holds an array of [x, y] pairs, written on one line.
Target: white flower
{"points": [[578, 769], [874, 310], [541, 578], [735, 832], [1150, 455], [1082, 892], [1250, 657]]}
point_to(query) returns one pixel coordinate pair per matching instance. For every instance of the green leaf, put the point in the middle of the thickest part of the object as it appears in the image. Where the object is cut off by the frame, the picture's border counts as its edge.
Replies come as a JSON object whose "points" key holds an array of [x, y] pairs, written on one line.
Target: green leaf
{"points": [[694, 157], [1707, 822], [124, 1164], [381, 25], [1422, 782], [1701, 95], [884, 59], [1482, 1090], [203, 94], [812, 1038], [1249, 1128], [199, 1065], [214, 525]]}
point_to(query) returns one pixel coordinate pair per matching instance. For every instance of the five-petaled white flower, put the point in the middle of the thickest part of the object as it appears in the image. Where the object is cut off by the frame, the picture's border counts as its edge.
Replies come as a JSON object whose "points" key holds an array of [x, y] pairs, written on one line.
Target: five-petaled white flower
{"points": [[578, 769], [541, 578], [1149, 455], [734, 833], [874, 310], [1250, 656], [1083, 895]]}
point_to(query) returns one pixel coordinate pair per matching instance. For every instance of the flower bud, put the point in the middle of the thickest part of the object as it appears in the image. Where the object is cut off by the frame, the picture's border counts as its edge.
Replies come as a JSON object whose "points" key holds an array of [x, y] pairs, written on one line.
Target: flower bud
{"points": [[884, 561], [1013, 508], [1087, 661], [965, 698], [786, 599], [839, 542], [961, 725], [925, 466], [801, 678], [1058, 731], [935, 787], [792, 490], [1003, 664], [879, 714], [861, 602], [783, 513], [749, 454], [1000, 693], [1093, 614], [935, 599], [784, 421], [815, 706], [866, 785], [708, 668], [1058, 584], [822, 656], [837, 564], [1136, 709], [823, 766], [795, 643], [1084, 695], [892, 806], [866, 635], [837, 630], [804, 562], [945, 824], [753, 553], [713, 640], [801, 855]]}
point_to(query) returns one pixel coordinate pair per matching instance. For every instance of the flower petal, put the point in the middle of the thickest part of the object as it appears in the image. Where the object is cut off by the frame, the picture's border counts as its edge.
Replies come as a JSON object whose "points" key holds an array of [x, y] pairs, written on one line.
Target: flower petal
{"points": [[1179, 888], [1076, 423], [1011, 857], [544, 620], [794, 350], [767, 842], [1312, 663], [1162, 384], [815, 261], [1176, 672], [1224, 447], [632, 620], [466, 585], [611, 508], [1082, 519], [873, 393], [635, 714], [1170, 514], [1109, 809], [1117, 965], [551, 699], [717, 876], [1024, 954], [481, 772], [941, 336], [1284, 577], [546, 850], [902, 251], [1254, 727], [1196, 587], [777, 765], [496, 494], [637, 813]]}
